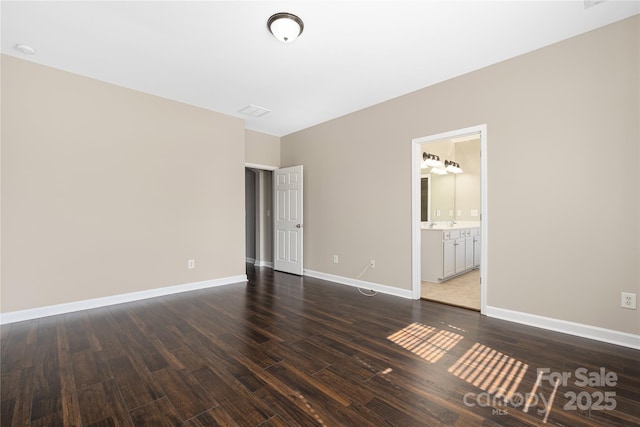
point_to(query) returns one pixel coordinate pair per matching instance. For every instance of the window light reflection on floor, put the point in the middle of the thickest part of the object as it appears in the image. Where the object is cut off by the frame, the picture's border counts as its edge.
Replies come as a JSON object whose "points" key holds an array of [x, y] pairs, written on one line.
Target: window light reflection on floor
{"points": [[425, 341], [490, 370]]}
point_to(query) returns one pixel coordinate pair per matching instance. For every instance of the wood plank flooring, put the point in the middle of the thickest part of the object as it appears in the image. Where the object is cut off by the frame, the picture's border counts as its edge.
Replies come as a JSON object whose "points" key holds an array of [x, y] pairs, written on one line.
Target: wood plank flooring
{"points": [[283, 350]]}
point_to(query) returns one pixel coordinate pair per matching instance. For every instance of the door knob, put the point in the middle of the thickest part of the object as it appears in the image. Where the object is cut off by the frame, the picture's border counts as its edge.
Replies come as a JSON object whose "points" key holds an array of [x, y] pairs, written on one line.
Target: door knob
{"points": [[298, 225]]}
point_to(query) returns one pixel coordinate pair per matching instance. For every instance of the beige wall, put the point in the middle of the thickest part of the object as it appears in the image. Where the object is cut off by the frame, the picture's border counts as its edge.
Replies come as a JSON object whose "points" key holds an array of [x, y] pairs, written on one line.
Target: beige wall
{"points": [[262, 149], [108, 191], [564, 237]]}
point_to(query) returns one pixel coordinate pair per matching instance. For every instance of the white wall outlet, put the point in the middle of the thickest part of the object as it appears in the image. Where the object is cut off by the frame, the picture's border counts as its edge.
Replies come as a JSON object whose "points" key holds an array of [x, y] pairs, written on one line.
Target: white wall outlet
{"points": [[372, 263], [191, 264], [474, 212], [459, 213], [628, 300], [335, 259]]}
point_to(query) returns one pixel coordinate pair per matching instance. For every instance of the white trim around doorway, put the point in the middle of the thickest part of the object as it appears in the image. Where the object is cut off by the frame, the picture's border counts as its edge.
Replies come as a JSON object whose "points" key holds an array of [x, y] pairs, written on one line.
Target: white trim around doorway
{"points": [[415, 207], [260, 237], [261, 167]]}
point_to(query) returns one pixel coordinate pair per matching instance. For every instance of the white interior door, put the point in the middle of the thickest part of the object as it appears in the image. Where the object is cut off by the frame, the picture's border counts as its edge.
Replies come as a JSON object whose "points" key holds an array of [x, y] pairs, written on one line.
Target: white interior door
{"points": [[288, 231]]}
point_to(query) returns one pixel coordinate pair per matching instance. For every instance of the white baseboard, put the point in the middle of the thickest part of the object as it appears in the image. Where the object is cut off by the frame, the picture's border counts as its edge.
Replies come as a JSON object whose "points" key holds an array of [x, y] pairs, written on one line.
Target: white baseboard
{"points": [[250, 260], [390, 290], [259, 263], [51, 310], [577, 329]]}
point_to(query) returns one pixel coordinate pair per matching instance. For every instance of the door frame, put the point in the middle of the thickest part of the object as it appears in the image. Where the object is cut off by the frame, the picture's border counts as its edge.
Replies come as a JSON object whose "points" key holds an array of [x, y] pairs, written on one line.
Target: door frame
{"points": [[259, 232], [415, 208]]}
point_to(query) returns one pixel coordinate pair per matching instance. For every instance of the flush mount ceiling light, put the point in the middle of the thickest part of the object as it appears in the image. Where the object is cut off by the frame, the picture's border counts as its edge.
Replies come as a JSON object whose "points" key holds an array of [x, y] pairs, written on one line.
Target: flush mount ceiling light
{"points": [[284, 26]]}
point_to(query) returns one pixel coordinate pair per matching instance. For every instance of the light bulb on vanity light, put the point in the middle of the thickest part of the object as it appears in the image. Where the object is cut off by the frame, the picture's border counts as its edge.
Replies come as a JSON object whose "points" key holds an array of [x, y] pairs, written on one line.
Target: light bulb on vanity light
{"points": [[431, 160], [438, 171], [452, 167]]}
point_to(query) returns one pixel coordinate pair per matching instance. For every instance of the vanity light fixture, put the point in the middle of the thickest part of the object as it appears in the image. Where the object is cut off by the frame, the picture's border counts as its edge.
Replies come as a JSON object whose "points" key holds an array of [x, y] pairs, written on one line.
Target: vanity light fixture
{"points": [[452, 167], [285, 26], [431, 160], [439, 171]]}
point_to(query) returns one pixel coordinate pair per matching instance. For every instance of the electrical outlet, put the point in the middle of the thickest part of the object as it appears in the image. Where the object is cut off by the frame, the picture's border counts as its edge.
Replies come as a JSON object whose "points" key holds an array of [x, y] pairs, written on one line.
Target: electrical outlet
{"points": [[628, 300], [372, 263], [191, 264], [335, 259]]}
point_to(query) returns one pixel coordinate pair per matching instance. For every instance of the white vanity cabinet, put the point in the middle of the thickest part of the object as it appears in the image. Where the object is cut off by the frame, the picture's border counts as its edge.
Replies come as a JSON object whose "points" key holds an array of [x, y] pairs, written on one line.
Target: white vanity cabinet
{"points": [[447, 253], [449, 256], [476, 248]]}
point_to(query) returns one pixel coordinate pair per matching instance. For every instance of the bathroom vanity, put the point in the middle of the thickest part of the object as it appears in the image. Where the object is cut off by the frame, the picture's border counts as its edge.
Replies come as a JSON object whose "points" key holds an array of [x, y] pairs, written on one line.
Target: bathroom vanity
{"points": [[449, 251]]}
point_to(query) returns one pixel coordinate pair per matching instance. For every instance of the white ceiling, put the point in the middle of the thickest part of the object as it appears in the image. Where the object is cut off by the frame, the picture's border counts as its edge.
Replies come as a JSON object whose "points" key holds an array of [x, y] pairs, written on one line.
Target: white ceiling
{"points": [[351, 55]]}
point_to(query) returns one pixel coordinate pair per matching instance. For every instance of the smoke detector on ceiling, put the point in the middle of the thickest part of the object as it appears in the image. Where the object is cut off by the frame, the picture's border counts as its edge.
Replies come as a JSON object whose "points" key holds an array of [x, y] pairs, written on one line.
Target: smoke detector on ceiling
{"points": [[591, 3], [26, 49]]}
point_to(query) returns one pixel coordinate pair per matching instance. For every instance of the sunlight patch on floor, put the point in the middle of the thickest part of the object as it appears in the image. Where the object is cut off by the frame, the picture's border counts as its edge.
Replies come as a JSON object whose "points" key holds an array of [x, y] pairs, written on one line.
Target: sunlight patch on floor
{"points": [[426, 341], [490, 370]]}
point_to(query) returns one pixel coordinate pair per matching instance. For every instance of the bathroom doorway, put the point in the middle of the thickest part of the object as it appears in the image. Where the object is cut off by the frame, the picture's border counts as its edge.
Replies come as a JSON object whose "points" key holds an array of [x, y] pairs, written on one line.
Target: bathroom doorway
{"points": [[449, 227]]}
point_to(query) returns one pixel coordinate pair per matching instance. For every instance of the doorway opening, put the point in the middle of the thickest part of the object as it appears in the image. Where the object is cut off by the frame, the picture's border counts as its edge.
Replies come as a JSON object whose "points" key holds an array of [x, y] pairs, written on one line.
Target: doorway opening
{"points": [[449, 228], [258, 215]]}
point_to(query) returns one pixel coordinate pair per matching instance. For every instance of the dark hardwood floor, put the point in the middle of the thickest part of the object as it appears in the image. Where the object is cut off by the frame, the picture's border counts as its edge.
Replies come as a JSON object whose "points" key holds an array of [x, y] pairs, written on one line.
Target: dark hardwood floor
{"points": [[289, 351]]}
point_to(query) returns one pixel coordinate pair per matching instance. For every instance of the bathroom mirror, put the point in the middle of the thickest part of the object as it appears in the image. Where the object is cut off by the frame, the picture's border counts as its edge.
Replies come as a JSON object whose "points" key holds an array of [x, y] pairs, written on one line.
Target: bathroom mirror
{"points": [[442, 197], [452, 197]]}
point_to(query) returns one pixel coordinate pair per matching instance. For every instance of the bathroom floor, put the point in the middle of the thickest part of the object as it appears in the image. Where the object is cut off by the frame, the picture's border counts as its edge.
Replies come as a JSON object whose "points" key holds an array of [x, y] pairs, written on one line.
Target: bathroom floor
{"points": [[462, 291]]}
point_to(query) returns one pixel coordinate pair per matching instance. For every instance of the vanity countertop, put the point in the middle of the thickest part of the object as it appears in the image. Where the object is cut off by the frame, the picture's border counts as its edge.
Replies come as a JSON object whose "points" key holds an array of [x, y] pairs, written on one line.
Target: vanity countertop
{"points": [[447, 226]]}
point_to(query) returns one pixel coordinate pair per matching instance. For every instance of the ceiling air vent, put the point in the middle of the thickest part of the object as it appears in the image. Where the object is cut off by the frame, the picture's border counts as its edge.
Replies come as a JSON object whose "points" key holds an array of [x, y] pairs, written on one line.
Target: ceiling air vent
{"points": [[253, 111]]}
